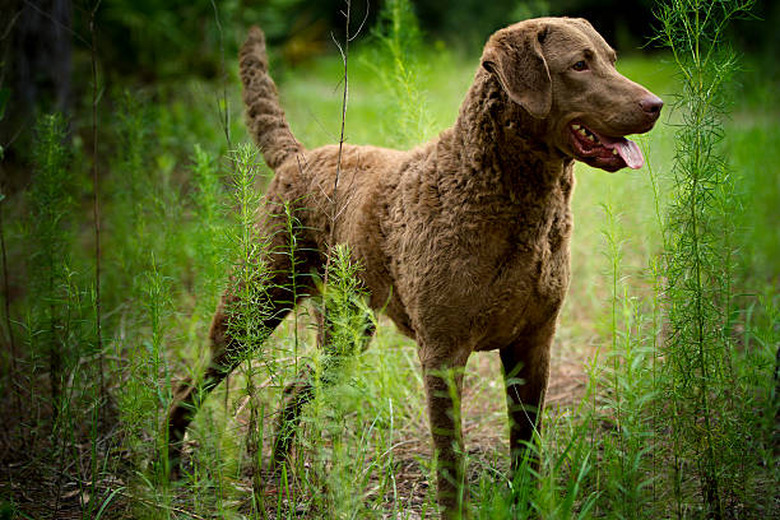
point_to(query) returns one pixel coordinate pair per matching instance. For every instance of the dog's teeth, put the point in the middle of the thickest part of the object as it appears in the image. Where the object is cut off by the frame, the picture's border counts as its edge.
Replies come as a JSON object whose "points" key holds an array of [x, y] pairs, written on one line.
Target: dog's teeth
{"points": [[582, 131], [576, 127], [592, 138], [614, 151]]}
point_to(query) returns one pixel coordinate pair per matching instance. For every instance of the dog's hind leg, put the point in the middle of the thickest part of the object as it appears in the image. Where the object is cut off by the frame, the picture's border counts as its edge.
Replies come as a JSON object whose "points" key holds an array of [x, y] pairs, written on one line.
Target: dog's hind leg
{"points": [[296, 395], [301, 390], [227, 350]]}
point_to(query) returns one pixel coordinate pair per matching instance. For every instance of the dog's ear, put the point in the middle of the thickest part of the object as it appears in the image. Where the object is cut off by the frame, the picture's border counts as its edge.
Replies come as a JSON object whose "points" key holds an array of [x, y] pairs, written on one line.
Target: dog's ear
{"points": [[515, 56]]}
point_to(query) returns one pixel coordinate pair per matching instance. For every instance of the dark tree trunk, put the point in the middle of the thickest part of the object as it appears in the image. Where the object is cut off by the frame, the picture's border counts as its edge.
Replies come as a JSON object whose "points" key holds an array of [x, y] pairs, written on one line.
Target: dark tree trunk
{"points": [[37, 48]]}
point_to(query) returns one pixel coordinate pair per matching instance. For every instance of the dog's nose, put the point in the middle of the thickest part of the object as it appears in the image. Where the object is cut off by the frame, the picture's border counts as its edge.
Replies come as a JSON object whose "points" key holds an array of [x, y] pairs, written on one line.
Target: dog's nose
{"points": [[652, 105]]}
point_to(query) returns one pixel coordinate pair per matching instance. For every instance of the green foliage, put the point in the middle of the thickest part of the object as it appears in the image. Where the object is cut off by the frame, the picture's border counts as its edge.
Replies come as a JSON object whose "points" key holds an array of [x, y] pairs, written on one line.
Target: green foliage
{"points": [[54, 311], [210, 238], [700, 380], [348, 319], [148, 389], [624, 407], [250, 306], [753, 151], [160, 39], [348, 325], [132, 187], [531, 9], [51, 195], [396, 61]]}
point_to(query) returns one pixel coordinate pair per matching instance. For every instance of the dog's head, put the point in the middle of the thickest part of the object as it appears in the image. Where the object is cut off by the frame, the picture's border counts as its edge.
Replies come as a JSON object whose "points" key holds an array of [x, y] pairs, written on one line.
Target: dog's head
{"points": [[561, 71]]}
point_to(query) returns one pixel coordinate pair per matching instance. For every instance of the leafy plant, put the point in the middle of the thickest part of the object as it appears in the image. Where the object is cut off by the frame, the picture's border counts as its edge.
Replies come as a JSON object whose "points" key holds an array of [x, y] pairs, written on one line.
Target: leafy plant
{"points": [[52, 205], [396, 61], [701, 387]]}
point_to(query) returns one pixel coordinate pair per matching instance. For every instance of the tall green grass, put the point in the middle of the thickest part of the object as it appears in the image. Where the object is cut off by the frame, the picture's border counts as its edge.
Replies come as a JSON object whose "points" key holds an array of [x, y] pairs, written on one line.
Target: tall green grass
{"points": [[51, 231], [396, 60]]}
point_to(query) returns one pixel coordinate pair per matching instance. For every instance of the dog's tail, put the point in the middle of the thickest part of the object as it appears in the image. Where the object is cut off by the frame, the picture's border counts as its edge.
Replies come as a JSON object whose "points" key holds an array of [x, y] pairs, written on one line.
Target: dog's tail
{"points": [[265, 117]]}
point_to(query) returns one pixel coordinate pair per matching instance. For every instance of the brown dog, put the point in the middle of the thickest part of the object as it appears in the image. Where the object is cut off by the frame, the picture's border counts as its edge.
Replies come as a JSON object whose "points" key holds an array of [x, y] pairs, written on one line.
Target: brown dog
{"points": [[464, 241]]}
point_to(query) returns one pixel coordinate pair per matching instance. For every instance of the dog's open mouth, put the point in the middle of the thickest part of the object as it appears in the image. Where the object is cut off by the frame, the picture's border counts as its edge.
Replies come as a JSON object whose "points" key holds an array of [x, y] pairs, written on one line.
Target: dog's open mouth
{"points": [[607, 153]]}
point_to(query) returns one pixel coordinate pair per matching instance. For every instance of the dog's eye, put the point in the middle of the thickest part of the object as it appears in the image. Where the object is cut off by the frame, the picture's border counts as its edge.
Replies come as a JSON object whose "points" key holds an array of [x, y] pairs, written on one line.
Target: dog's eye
{"points": [[580, 66]]}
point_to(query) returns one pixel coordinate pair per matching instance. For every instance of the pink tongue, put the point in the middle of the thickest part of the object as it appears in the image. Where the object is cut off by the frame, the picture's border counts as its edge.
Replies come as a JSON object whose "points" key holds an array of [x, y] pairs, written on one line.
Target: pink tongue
{"points": [[630, 153], [627, 149]]}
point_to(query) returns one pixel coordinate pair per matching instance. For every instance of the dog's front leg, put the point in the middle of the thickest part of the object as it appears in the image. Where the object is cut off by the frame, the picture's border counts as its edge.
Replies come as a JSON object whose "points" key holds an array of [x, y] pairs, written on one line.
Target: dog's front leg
{"points": [[443, 384], [526, 365]]}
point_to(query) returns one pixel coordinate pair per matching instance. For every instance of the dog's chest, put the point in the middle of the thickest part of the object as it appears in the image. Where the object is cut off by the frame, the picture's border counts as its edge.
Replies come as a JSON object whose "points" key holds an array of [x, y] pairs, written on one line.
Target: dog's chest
{"points": [[528, 280], [494, 282], [483, 269]]}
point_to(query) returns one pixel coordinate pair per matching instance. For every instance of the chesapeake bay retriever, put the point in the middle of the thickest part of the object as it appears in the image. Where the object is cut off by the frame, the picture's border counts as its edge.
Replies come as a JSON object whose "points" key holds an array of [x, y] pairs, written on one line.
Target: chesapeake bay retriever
{"points": [[463, 241]]}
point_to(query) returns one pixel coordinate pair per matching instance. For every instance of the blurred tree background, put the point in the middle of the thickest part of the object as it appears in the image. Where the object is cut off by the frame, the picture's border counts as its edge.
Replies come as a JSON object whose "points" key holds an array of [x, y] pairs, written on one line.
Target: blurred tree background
{"points": [[45, 45]]}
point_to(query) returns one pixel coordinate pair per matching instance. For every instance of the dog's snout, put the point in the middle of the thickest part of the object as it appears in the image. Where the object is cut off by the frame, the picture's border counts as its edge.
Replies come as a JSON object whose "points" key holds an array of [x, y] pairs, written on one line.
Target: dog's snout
{"points": [[652, 105]]}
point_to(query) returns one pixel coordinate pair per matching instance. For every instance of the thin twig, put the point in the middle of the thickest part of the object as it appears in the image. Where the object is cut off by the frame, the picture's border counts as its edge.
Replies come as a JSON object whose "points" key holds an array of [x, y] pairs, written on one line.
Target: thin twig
{"points": [[224, 108], [363, 23], [96, 201], [224, 117], [7, 308], [11, 23], [58, 23], [344, 51], [335, 211]]}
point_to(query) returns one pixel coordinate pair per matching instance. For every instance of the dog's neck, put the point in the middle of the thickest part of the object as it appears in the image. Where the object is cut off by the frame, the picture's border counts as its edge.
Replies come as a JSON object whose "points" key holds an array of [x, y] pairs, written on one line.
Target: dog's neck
{"points": [[501, 143]]}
